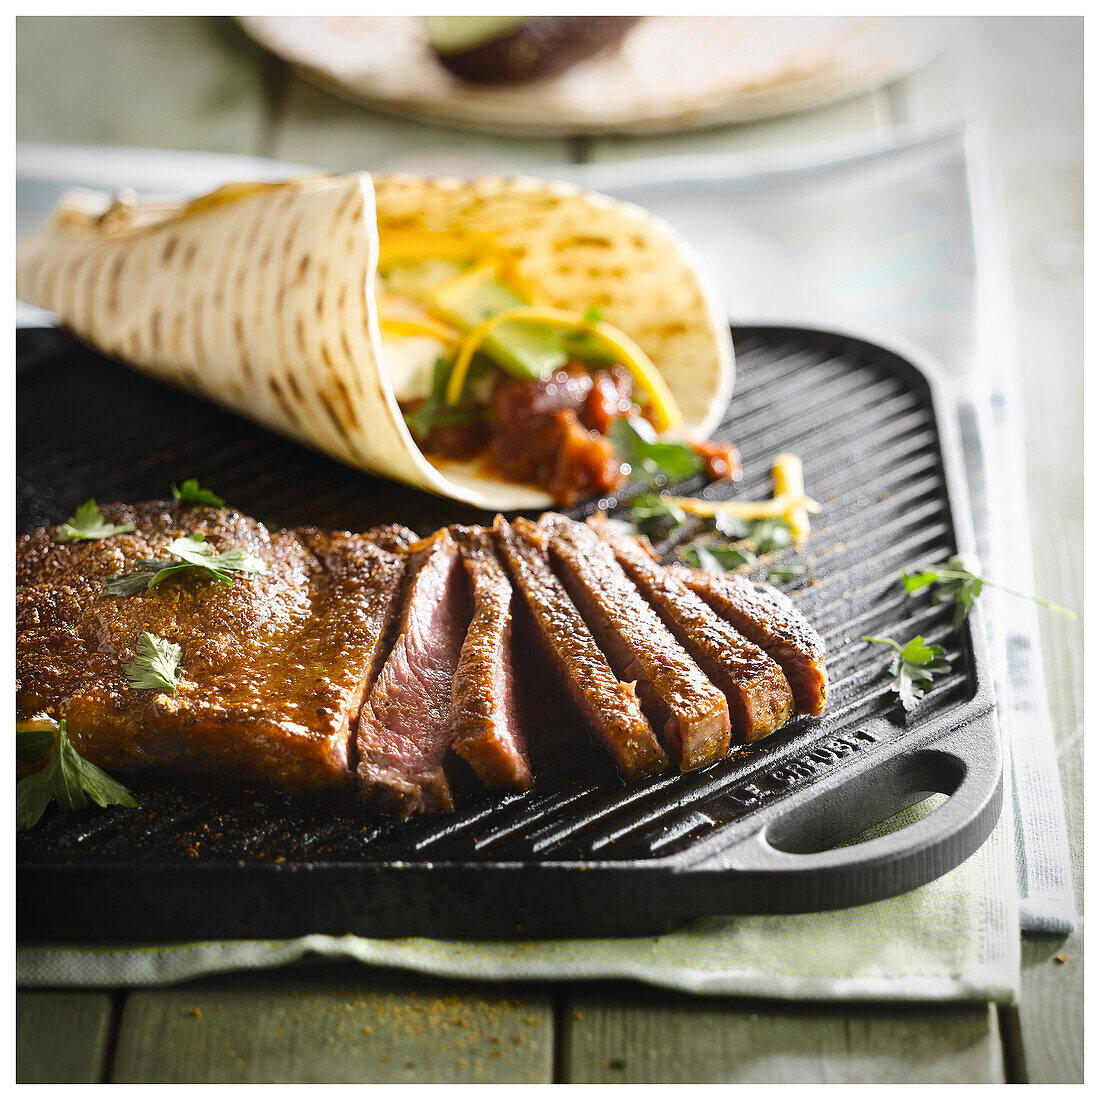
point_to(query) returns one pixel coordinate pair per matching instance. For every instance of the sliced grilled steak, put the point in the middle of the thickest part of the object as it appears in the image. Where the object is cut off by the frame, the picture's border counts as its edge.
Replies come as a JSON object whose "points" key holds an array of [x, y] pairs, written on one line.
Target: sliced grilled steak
{"points": [[611, 708], [404, 727], [485, 727], [274, 667], [757, 692], [767, 618], [690, 713]]}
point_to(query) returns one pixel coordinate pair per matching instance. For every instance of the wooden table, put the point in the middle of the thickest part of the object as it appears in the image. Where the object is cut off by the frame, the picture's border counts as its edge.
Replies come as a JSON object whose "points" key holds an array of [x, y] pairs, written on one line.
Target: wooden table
{"points": [[200, 84]]}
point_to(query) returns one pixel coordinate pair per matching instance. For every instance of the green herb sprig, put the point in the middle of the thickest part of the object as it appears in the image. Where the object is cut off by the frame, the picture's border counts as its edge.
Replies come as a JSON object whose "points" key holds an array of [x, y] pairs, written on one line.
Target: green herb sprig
{"points": [[785, 572], [87, 523], [651, 461], [953, 582], [66, 778], [196, 554], [435, 412], [913, 668], [189, 491], [714, 555], [155, 666]]}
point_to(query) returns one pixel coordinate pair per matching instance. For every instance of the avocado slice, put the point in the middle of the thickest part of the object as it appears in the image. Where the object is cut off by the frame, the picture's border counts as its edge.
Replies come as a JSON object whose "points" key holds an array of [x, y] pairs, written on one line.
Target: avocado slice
{"points": [[523, 350], [508, 49]]}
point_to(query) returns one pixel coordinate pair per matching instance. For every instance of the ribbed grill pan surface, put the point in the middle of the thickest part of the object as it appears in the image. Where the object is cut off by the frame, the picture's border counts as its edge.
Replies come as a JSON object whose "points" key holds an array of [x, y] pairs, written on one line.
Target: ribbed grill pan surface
{"points": [[580, 852]]}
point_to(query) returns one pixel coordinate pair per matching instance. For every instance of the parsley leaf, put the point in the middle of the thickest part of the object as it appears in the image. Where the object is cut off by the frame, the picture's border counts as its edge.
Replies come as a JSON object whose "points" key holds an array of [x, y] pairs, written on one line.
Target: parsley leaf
{"points": [[68, 779], [785, 572], [913, 667], [770, 534], [714, 556], [155, 666], [33, 744], [654, 516], [652, 462], [954, 582], [89, 523], [196, 553], [434, 411], [190, 492]]}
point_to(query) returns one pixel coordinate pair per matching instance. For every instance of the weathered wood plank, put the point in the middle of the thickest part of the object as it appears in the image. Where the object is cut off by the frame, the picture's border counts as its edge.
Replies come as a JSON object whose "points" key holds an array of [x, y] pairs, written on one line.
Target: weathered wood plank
{"points": [[183, 83], [61, 1037], [325, 1024], [317, 128], [1047, 1029], [630, 1037]]}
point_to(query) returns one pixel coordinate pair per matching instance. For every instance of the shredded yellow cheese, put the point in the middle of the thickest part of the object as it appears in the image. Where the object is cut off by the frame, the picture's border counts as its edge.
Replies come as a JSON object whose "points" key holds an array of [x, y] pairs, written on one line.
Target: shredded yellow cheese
{"points": [[406, 246], [663, 411], [790, 502], [424, 327]]}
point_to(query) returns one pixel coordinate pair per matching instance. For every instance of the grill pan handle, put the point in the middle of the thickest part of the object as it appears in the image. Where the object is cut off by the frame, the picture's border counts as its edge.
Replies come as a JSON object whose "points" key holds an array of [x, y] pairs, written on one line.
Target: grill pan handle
{"points": [[791, 862]]}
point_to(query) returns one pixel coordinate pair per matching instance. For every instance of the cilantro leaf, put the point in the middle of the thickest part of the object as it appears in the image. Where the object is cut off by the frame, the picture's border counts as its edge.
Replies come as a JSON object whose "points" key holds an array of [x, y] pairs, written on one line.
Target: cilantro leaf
{"points": [[155, 666], [913, 668], [785, 572], [68, 779], [32, 744], [770, 534], [714, 556], [434, 411], [88, 523], [652, 462], [955, 582], [196, 553], [190, 492], [655, 516]]}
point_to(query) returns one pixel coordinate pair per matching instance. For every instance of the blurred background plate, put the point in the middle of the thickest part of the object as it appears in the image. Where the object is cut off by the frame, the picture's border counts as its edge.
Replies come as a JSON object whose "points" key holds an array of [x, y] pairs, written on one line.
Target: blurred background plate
{"points": [[669, 73]]}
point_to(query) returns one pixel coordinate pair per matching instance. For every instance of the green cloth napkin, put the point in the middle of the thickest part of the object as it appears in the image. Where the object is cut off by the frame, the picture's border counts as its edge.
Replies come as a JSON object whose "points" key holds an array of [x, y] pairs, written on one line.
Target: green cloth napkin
{"points": [[954, 939]]}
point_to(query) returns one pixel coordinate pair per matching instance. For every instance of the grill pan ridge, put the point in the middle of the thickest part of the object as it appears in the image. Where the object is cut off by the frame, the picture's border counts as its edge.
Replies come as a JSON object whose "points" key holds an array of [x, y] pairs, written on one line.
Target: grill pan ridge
{"points": [[580, 853]]}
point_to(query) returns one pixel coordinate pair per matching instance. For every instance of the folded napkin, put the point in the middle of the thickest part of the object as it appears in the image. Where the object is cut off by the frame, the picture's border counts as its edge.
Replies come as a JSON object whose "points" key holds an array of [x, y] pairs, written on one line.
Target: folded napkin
{"points": [[954, 939], [881, 236]]}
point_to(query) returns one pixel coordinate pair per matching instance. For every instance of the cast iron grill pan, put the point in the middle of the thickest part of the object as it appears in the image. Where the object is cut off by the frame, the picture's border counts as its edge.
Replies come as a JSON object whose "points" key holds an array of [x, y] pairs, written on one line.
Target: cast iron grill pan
{"points": [[581, 853]]}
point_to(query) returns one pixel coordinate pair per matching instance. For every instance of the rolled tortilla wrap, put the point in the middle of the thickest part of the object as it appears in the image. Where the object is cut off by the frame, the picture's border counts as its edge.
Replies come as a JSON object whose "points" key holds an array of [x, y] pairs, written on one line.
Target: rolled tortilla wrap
{"points": [[262, 298]]}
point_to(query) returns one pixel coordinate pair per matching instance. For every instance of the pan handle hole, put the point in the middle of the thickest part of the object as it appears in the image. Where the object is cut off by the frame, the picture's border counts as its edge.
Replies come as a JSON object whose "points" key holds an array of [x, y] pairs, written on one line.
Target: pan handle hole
{"points": [[883, 800]]}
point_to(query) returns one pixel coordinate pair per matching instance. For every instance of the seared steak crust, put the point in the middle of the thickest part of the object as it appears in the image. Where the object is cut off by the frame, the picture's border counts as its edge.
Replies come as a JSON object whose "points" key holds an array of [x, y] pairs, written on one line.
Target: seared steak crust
{"points": [[766, 617], [274, 667], [755, 688], [404, 727], [688, 710], [610, 707], [485, 726]]}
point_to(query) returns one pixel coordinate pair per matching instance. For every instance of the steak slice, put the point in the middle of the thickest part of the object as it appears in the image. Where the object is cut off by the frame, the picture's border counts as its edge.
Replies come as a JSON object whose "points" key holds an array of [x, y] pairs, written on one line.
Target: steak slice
{"points": [[273, 668], [485, 726], [754, 686], [690, 713], [611, 708], [768, 618], [404, 727]]}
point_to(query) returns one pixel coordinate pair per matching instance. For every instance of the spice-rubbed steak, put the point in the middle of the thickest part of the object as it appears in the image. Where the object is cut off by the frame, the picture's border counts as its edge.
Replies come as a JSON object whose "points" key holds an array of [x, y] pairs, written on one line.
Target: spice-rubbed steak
{"points": [[274, 667], [768, 618], [485, 724], [404, 727], [690, 713], [610, 708], [755, 688]]}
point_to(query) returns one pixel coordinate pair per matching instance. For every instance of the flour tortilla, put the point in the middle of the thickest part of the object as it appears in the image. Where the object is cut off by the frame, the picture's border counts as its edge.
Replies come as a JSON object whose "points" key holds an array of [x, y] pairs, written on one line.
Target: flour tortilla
{"points": [[670, 72], [261, 297]]}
